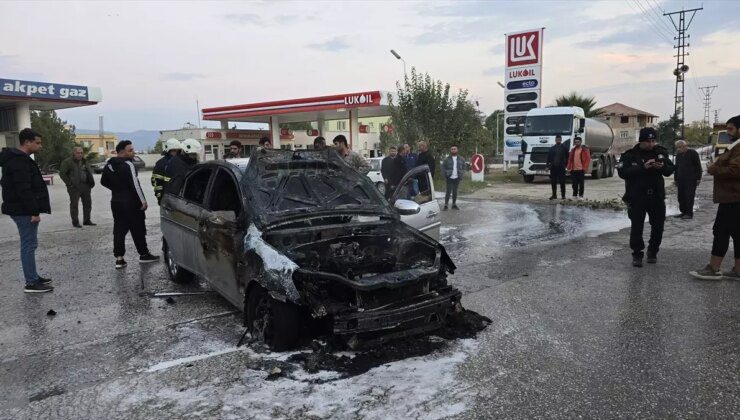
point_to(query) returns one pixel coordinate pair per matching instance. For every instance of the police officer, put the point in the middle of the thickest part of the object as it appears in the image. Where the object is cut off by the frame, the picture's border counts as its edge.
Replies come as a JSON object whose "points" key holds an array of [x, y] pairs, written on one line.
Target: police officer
{"points": [[160, 180], [643, 168]]}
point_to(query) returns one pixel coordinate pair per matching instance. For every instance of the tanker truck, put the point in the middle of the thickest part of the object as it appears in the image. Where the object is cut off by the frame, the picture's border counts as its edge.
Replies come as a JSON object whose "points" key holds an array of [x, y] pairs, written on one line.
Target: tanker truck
{"points": [[543, 124]]}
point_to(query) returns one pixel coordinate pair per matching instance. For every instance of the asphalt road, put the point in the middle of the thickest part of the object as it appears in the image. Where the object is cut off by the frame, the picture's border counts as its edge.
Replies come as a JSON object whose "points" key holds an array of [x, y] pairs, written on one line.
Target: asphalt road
{"points": [[576, 332]]}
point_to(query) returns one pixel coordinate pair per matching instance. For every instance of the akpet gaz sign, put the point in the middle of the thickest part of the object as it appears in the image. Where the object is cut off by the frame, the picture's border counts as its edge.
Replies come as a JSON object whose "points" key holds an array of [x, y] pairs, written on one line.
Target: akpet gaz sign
{"points": [[523, 88], [43, 90]]}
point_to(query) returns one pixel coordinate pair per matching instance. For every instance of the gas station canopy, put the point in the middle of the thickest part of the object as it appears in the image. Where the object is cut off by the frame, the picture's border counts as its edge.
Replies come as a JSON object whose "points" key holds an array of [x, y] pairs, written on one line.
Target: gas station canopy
{"points": [[349, 106]]}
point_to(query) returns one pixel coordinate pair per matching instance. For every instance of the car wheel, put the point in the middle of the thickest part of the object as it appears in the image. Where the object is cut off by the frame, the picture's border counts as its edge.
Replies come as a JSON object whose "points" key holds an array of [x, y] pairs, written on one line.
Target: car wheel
{"points": [[176, 273], [275, 323], [529, 179], [381, 187]]}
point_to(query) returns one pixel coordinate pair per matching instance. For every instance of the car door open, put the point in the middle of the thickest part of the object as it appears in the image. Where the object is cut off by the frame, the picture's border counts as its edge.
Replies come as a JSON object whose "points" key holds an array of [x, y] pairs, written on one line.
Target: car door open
{"points": [[417, 185]]}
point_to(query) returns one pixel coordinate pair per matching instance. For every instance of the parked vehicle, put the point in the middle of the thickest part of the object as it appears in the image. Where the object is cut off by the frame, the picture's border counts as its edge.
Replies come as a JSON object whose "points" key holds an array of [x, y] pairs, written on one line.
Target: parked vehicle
{"points": [[543, 124], [298, 237], [719, 139], [98, 167], [375, 174]]}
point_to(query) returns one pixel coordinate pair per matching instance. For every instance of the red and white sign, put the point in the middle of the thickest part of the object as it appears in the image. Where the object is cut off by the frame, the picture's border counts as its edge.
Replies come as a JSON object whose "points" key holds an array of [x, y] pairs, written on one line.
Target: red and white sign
{"points": [[476, 164], [530, 72], [523, 48], [213, 135]]}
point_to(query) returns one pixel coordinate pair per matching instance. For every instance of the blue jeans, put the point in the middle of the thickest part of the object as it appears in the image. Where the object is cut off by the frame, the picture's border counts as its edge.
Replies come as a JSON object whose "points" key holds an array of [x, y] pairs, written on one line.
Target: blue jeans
{"points": [[29, 242]]}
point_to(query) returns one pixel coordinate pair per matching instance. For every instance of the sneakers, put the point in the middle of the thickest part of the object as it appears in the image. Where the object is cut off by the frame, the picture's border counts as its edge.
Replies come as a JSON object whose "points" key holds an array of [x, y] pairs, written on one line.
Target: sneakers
{"points": [[77, 225], [148, 258], [444, 208], [637, 261], [37, 288], [89, 223], [686, 217], [44, 281], [455, 207], [731, 275], [553, 197], [678, 216], [652, 258], [121, 264], [707, 273]]}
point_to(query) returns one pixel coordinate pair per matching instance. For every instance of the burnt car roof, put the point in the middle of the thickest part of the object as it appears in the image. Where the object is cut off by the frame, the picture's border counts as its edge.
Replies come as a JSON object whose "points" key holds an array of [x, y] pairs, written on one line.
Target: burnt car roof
{"points": [[285, 184]]}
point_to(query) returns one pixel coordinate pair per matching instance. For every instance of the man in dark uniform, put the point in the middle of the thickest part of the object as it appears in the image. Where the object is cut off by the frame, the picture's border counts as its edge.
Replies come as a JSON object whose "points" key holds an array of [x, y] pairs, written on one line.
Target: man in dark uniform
{"points": [[392, 170], [557, 158], [160, 180], [643, 168], [687, 177]]}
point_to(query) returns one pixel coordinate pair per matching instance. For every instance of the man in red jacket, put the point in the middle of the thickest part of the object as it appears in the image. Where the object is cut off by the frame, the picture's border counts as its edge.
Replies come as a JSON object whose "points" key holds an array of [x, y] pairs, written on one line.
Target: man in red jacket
{"points": [[579, 160]]}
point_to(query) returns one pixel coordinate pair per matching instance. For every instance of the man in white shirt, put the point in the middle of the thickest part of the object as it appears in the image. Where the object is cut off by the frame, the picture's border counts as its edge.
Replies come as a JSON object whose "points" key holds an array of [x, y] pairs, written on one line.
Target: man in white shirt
{"points": [[453, 167]]}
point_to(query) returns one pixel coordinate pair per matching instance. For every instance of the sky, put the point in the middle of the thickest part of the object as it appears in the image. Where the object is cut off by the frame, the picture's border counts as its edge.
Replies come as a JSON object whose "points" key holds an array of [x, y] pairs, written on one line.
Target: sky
{"points": [[153, 59]]}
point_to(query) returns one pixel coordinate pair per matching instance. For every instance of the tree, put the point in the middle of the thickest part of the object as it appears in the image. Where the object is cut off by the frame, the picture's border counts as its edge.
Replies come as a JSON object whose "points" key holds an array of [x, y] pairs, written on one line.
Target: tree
{"points": [[697, 133], [158, 147], [423, 109], [588, 103], [668, 131], [58, 141], [495, 124]]}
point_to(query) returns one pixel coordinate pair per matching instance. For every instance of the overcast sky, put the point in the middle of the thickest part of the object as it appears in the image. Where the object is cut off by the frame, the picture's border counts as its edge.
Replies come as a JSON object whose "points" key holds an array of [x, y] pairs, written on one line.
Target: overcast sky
{"points": [[152, 59]]}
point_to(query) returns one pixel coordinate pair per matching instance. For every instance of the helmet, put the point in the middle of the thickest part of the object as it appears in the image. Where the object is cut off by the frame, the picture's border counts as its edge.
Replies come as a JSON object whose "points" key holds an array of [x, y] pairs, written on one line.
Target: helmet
{"points": [[172, 144], [191, 146]]}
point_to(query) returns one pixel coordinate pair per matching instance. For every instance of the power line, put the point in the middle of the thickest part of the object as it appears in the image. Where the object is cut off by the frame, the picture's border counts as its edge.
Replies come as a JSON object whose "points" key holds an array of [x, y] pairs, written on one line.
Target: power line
{"points": [[656, 27], [660, 23], [707, 91]]}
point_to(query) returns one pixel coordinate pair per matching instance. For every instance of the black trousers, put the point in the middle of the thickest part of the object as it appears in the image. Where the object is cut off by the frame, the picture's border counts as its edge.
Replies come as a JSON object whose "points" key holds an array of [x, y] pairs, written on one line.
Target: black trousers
{"points": [[654, 208], [557, 176], [726, 226], [128, 217], [452, 185], [74, 205], [686, 193], [579, 181]]}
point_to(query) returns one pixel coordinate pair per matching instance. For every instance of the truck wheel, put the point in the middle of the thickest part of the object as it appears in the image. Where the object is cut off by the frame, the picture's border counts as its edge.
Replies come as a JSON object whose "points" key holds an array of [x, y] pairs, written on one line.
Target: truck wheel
{"points": [[275, 323], [596, 173], [610, 168], [176, 273], [529, 179]]}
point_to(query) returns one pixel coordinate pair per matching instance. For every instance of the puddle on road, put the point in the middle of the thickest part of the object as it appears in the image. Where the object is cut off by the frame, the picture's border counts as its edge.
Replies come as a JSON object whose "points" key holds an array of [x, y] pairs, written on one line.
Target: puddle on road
{"points": [[495, 225]]}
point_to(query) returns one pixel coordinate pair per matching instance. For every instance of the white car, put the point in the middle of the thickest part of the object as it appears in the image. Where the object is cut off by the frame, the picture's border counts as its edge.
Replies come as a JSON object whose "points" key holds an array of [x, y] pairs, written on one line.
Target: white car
{"points": [[375, 174]]}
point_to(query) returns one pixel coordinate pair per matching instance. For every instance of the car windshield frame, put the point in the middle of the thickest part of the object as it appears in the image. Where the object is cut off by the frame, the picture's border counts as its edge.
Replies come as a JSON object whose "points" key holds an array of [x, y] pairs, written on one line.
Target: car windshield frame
{"points": [[724, 138], [285, 184], [548, 125]]}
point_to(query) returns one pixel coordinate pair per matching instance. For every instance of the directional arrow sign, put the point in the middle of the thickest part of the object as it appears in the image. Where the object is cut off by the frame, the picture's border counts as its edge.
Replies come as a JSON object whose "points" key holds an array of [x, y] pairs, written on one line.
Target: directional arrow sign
{"points": [[476, 167]]}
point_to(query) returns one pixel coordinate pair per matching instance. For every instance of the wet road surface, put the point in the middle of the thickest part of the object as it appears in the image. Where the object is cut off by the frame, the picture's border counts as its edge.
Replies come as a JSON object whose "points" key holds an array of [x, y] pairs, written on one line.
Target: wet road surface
{"points": [[576, 332]]}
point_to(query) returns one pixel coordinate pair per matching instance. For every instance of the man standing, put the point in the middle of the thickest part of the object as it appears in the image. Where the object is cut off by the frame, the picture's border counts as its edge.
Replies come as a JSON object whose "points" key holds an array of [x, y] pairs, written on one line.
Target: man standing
{"points": [[426, 157], [235, 150], [353, 159], [410, 159], [265, 143], [127, 204], [79, 179], [391, 168], [726, 171], [24, 197], [160, 180], [557, 158], [579, 160], [453, 167], [687, 177], [319, 143], [180, 163], [643, 168]]}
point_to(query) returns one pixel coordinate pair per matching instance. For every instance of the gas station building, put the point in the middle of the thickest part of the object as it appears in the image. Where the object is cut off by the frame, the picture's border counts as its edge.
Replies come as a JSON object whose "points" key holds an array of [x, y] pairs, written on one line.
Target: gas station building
{"points": [[19, 97], [331, 115]]}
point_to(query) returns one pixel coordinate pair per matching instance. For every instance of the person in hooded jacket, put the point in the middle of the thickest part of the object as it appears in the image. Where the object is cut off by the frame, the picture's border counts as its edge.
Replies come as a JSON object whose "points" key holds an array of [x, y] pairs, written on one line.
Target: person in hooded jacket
{"points": [[127, 203], [643, 168], [25, 197]]}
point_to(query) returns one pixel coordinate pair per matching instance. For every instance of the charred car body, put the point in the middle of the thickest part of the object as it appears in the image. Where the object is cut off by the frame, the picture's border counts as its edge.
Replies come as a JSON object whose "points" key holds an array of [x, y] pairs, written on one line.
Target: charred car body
{"points": [[300, 237]]}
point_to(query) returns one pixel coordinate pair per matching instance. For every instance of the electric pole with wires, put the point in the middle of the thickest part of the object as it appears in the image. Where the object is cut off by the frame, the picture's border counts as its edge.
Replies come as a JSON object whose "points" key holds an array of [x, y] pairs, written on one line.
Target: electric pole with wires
{"points": [[707, 91], [716, 116], [681, 25]]}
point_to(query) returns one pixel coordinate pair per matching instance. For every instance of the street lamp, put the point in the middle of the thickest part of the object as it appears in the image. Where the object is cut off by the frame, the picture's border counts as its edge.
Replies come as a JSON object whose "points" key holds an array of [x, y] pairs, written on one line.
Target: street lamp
{"points": [[501, 84], [398, 57]]}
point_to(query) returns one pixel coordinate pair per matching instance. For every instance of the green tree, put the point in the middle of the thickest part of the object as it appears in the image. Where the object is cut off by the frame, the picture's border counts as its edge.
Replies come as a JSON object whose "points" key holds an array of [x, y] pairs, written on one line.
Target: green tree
{"points": [[588, 103], [495, 124], [158, 147], [57, 140], [424, 109], [697, 133], [668, 131]]}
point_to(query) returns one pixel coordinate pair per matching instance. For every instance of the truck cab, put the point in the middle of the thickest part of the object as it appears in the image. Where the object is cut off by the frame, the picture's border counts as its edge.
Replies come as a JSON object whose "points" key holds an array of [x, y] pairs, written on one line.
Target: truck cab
{"points": [[719, 139]]}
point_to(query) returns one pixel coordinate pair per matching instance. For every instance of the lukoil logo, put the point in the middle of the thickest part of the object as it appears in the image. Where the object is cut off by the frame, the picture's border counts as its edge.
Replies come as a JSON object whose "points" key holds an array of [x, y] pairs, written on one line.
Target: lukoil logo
{"points": [[365, 98], [523, 48], [515, 74]]}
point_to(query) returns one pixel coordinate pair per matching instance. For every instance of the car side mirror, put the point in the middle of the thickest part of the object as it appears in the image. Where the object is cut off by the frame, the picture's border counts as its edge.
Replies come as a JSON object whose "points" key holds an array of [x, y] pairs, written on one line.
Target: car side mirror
{"points": [[581, 125], [407, 207]]}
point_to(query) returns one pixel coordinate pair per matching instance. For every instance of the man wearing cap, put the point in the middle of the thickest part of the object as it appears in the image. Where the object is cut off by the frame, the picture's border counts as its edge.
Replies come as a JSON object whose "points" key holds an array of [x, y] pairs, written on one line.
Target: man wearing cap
{"points": [[557, 158], [643, 168]]}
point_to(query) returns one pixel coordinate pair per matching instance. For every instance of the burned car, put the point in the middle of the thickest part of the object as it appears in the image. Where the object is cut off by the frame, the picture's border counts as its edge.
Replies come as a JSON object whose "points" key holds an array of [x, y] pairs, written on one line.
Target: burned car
{"points": [[298, 239]]}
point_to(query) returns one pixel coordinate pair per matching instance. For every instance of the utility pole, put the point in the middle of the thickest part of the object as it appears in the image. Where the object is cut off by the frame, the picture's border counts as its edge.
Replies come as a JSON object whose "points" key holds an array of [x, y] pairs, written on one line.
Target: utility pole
{"points": [[681, 26], [707, 91], [716, 116]]}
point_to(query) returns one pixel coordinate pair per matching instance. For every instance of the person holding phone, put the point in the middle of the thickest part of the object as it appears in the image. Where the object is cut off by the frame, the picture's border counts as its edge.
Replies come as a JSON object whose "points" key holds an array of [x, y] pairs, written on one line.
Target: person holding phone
{"points": [[643, 168]]}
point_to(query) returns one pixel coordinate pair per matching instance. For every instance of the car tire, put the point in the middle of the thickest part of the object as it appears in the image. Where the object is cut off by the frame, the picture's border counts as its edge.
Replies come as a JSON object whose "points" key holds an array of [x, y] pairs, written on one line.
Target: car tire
{"points": [[529, 179], [176, 273], [381, 187], [277, 324]]}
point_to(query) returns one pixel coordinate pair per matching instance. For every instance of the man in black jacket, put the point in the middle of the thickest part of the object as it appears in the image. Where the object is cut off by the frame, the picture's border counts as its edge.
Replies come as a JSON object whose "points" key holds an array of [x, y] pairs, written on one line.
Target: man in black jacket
{"points": [[392, 170], [425, 158], [687, 177], [127, 204], [25, 197], [557, 159], [643, 168]]}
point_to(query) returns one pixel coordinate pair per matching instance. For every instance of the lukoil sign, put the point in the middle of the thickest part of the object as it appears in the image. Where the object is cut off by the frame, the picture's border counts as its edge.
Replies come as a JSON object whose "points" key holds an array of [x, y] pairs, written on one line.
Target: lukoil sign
{"points": [[523, 48], [365, 98], [44, 90]]}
